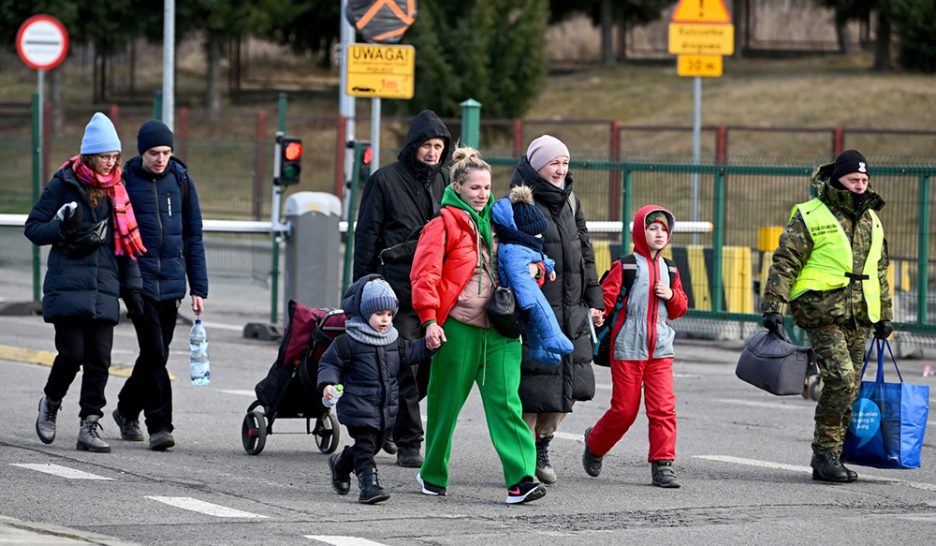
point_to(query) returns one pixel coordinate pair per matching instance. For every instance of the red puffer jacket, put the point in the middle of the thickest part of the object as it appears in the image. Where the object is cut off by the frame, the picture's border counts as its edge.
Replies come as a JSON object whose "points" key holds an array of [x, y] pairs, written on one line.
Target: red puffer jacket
{"points": [[446, 258]]}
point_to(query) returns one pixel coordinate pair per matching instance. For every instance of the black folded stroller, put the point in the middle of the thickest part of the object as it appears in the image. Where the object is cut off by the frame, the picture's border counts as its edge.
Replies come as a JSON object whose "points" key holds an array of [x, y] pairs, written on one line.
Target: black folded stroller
{"points": [[290, 389]]}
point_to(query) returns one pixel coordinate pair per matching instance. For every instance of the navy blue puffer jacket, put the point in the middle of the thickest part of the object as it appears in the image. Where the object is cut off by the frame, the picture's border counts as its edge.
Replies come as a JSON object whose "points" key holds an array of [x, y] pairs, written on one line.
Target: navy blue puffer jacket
{"points": [[369, 376], [85, 287], [172, 236]]}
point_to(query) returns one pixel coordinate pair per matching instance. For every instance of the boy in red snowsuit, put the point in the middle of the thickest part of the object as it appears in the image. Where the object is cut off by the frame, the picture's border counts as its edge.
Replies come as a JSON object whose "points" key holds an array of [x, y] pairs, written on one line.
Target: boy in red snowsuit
{"points": [[642, 347]]}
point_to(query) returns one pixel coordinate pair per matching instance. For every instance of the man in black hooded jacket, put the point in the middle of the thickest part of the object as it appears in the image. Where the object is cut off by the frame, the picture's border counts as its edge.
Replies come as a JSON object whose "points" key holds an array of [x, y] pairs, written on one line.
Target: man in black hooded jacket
{"points": [[398, 200]]}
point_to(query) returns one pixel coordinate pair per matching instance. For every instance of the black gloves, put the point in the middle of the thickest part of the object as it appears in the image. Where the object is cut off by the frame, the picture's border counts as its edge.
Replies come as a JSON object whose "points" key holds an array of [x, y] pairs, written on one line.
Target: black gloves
{"points": [[883, 329], [72, 219], [134, 301], [774, 323]]}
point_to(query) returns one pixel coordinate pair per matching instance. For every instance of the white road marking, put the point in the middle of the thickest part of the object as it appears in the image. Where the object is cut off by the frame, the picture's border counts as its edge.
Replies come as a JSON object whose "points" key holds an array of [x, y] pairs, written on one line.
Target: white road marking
{"points": [[927, 518], [195, 505], [61, 471], [797, 468], [344, 541], [220, 326], [569, 436], [771, 405], [239, 392]]}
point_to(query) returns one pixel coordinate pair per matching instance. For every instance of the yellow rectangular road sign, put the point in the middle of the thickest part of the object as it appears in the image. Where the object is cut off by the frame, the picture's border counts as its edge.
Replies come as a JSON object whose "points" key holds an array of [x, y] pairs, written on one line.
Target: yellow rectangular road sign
{"points": [[384, 71], [706, 66], [701, 39]]}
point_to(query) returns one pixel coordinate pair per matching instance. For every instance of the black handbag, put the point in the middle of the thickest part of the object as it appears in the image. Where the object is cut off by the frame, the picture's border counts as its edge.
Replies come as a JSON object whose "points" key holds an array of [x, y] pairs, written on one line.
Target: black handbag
{"points": [[775, 365], [502, 308], [502, 312], [84, 241]]}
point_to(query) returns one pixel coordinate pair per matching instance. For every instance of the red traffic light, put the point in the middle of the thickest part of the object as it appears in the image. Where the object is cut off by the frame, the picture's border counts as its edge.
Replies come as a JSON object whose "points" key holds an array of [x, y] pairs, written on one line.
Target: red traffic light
{"points": [[368, 155], [293, 151]]}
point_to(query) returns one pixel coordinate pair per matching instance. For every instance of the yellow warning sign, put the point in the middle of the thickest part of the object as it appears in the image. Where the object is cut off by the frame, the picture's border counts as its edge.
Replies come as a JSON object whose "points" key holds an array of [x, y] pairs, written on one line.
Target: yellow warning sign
{"points": [[701, 39], [701, 11], [705, 66], [385, 71]]}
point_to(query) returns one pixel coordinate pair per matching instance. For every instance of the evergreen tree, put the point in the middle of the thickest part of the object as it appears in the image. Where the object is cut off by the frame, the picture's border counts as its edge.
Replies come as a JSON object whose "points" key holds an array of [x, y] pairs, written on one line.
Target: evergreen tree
{"points": [[489, 50], [917, 46]]}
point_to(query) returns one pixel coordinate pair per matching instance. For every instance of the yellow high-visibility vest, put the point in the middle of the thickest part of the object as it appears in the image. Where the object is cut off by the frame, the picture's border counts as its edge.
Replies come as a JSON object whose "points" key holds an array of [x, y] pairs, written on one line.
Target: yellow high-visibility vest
{"points": [[830, 263]]}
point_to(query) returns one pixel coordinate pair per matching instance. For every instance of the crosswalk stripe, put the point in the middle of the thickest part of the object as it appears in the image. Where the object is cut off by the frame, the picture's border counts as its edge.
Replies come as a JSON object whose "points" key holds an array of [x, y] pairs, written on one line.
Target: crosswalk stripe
{"points": [[771, 405], [344, 541], [243, 392], [797, 468], [195, 505], [61, 471]]}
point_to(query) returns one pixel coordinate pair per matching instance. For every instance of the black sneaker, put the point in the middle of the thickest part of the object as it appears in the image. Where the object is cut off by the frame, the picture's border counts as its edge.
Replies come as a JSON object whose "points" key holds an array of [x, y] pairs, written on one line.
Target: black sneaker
{"points": [[590, 461], [161, 441], [431, 489], [129, 428], [525, 492], [409, 457], [390, 446]]}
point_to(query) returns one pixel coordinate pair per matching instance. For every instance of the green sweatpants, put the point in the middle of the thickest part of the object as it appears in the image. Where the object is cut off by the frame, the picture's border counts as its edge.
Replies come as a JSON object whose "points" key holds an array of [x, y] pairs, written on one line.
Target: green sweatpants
{"points": [[471, 355]]}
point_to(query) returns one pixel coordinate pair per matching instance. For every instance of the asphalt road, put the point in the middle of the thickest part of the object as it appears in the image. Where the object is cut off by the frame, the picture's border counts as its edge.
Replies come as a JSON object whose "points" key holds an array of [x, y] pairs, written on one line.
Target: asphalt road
{"points": [[742, 459]]}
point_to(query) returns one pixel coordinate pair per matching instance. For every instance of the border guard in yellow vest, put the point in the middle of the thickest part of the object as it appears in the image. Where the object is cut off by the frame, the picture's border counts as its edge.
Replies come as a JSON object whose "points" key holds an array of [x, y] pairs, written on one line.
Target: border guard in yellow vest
{"points": [[831, 267]]}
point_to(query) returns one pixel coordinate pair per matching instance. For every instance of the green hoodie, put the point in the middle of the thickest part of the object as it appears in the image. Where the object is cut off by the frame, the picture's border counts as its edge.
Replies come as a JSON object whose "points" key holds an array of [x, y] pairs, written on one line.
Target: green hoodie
{"points": [[482, 220]]}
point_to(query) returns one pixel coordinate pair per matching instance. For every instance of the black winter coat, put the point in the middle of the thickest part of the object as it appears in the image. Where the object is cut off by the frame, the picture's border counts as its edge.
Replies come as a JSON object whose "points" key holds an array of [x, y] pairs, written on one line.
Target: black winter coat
{"points": [[550, 388], [85, 287], [397, 200], [172, 236]]}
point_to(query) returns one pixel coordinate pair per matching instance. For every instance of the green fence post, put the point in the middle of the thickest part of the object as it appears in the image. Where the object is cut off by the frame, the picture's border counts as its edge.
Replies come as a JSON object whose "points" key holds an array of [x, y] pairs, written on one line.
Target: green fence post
{"points": [[626, 212], [359, 174], [471, 123], [36, 189], [157, 105], [923, 250], [718, 240], [274, 274]]}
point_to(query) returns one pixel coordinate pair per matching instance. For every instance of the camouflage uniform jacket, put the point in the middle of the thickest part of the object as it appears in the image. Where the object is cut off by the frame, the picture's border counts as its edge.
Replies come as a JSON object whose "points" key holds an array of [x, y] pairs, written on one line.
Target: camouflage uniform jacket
{"points": [[844, 306]]}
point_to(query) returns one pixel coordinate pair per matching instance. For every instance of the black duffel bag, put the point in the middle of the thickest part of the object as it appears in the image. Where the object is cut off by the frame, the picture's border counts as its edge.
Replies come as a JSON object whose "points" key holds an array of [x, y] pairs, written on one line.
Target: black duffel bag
{"points": [[774, 364]]}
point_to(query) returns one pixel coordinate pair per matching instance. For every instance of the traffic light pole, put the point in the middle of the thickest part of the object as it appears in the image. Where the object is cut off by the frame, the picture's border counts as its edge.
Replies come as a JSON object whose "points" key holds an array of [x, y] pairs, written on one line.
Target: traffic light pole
{"points": [[359, 173], [275, 204]]}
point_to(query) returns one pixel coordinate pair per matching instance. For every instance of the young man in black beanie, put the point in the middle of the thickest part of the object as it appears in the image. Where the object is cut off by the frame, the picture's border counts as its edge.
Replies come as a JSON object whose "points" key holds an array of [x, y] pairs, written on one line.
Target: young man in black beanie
{"points": [[831, 268], [166, 205]]}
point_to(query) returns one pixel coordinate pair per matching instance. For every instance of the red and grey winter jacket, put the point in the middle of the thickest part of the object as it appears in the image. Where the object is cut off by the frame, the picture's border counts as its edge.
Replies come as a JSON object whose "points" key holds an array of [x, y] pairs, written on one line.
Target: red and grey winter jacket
{"points": [[446, 258], [642, 330]]}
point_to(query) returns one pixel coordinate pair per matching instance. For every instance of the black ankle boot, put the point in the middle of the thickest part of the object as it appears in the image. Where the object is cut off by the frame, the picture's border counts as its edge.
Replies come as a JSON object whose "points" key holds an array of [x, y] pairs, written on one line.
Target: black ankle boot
{"points": [[852, 475], [827, 468], [371, 492], [45, 422], [341, 481], [544, 470]]}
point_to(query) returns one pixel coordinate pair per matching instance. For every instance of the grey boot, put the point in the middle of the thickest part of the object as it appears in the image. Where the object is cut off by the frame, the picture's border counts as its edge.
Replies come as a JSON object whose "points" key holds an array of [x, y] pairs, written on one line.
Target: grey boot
{"points": [[590, 461], [544, 471], [45, 422], [89, 436], [663, 474]]}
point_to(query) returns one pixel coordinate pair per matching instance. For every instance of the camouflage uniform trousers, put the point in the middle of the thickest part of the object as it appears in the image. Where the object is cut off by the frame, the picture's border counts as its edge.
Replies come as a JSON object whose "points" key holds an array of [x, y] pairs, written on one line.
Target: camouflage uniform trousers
{"points": [[840, 352]]}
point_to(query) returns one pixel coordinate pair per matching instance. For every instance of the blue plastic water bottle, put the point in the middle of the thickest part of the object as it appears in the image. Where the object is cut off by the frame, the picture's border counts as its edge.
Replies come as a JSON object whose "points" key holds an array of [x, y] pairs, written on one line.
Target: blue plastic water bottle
{"points": [[339, 390], [198, 360]]}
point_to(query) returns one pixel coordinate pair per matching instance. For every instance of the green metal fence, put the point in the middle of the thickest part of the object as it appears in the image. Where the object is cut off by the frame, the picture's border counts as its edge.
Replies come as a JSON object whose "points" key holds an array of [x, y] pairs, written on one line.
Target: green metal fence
{"points": [[742, 203]]}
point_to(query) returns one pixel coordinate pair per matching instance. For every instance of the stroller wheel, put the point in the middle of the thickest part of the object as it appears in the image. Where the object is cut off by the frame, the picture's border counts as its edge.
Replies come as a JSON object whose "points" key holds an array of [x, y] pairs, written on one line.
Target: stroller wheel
{"points": [[327, 433], [253, 432]]}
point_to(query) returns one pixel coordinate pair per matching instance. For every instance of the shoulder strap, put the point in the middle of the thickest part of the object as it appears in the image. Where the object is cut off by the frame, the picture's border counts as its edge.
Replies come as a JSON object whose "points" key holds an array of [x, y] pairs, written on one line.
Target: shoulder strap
{"points": [[673, 270], [572, 201], [343, 348], [628, 273]]}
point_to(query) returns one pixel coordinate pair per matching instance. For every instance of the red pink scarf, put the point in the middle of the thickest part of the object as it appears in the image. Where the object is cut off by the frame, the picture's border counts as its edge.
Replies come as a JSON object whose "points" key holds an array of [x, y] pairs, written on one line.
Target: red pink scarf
{"points": [[127, 240]]}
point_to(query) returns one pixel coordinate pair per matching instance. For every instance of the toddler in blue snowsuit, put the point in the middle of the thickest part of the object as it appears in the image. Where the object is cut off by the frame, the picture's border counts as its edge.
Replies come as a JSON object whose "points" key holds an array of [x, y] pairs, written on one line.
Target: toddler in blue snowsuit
{"points": [[519, 226]]}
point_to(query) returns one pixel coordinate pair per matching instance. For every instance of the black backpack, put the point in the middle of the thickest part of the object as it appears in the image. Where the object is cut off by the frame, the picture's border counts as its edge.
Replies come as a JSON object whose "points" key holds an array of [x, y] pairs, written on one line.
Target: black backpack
{"points": [[602, 352]]}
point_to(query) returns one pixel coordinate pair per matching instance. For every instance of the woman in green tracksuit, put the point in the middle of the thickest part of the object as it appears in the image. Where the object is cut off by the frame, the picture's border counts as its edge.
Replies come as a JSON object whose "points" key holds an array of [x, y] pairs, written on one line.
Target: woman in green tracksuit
{"points": [[453, 279]]}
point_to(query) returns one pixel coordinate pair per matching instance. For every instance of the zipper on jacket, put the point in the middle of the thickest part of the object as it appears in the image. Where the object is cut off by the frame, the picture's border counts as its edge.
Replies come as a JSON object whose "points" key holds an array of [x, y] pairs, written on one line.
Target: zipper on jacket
{"points": [[652, 310], [158, 257]]}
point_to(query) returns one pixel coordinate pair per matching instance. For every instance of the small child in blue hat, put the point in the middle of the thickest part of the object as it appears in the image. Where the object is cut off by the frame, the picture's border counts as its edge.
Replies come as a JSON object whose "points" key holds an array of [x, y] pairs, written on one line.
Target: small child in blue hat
{"points": [[366, 360]]}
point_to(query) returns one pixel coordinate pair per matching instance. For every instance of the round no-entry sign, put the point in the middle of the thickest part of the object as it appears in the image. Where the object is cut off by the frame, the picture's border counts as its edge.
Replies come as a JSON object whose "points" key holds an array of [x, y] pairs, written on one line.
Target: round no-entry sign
{"points": [[42, 42]]}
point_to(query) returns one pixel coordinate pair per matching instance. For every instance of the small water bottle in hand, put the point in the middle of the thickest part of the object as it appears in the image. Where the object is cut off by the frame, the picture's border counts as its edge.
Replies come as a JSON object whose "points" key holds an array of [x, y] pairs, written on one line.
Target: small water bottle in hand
{"points": [[198, 360], [337, 391]]}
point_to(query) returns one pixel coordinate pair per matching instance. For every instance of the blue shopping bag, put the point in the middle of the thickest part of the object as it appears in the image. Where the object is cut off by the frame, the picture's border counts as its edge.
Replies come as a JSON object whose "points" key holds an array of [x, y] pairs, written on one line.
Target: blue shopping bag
{"points": [[888, 419]]}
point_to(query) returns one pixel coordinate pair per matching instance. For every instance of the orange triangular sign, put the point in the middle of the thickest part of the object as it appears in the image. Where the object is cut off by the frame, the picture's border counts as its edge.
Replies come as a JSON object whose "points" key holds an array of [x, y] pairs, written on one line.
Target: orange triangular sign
{"points": [[701, 11]]}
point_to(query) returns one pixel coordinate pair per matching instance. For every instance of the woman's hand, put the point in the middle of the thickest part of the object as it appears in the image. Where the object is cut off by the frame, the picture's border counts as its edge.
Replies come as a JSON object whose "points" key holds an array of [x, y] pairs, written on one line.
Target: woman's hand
{"points": [[662, 291], [597, 317], [435, 336]]}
